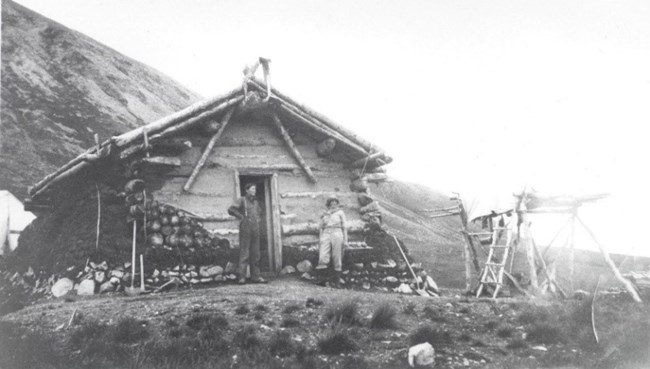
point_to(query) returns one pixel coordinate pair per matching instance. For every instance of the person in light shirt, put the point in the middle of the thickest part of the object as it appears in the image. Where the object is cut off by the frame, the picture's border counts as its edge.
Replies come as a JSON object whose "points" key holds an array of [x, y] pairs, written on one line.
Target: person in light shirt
{"points": [[333, 237]]}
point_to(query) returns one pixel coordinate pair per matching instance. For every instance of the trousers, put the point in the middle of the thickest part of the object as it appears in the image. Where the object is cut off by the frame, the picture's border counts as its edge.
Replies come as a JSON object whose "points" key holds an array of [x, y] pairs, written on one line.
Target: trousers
{"points": [[331, 245], [249, 248]]}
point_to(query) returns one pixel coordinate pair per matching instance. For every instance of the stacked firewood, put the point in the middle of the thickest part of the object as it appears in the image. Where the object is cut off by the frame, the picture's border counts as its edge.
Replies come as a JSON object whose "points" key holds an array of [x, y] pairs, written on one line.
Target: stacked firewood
{"points": [[167, 227]]}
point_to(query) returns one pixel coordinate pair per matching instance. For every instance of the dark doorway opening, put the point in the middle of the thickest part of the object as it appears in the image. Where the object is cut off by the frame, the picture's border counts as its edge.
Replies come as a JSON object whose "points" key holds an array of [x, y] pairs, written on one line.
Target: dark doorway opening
{"points": [[262, 184]]}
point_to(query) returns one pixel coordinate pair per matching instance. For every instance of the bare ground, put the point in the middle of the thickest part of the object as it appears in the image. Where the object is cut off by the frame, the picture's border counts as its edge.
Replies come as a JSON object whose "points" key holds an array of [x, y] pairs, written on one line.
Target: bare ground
{"points": [[481, 333]]}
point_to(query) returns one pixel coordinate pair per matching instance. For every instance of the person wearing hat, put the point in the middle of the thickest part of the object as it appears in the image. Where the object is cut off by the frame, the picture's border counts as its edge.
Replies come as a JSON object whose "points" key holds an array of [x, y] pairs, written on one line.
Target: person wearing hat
{"points": [[247, 209], [333, 237]]}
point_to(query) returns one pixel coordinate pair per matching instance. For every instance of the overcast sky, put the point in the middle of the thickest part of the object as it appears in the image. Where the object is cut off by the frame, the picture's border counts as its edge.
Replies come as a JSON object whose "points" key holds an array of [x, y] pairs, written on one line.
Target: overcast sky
{"points": [[480, 97]]}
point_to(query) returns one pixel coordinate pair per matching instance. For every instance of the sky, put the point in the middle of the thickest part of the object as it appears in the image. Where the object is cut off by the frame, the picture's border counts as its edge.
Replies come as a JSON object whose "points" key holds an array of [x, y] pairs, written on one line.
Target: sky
{"points": [[470, 96]]}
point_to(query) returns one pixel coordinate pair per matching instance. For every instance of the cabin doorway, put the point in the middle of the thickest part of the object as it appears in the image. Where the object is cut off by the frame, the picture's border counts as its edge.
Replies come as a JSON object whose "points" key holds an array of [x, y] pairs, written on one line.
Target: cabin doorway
{"points": [[269, 233]]}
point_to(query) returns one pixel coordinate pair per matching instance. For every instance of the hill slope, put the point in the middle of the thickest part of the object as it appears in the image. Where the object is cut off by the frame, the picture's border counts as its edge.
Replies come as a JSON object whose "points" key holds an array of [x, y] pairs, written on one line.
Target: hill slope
{"points": [[59, 87]]}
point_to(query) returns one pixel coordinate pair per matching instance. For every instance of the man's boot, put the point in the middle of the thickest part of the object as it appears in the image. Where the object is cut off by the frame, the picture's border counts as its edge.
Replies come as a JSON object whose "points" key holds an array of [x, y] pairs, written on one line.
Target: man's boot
{"points": [[337, 279]]}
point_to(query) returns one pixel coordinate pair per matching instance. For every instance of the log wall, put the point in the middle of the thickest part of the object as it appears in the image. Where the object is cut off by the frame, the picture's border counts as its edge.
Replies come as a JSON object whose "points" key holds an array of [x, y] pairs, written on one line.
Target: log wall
{"points": [[254, 147]]}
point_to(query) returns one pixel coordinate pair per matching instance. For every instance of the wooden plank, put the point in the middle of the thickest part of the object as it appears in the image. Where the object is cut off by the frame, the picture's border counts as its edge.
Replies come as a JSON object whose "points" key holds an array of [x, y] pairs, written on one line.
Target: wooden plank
{"points": [[269, 223], [277, 230]]}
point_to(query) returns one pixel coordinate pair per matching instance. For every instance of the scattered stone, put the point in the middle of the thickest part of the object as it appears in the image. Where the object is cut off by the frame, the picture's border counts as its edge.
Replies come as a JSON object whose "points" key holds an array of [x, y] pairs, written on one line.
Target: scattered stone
{"points": [[106, 287], [421, 355], [288, 270], [117, 273], [100, 276], [404, 288], [391, 279], [219, 278], [366, 285], [539, 348], [304, 266], [86, 287], [62, 287], [230, 268], [215, 271], [306, 276]]}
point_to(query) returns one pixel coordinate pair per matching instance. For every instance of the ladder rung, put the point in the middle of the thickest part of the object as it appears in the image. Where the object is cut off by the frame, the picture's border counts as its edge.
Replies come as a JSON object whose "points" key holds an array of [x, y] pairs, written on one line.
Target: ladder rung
{"points": [[480, 233], [499, 246], [495, 264], [491, 282]]}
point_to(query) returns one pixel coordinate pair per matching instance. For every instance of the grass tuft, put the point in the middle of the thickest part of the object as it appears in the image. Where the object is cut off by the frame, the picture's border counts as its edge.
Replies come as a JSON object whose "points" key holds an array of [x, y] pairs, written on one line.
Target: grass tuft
{"points": [[337, 341], [505, 332], [290, 322], [409, 309], [281, 344], [384, 317], [129, 330], [344, 313], [247, 339], [543, 333], [261, 308], [290, 309], [433, 314], [429, 334], [517, 344], [242, 309]]}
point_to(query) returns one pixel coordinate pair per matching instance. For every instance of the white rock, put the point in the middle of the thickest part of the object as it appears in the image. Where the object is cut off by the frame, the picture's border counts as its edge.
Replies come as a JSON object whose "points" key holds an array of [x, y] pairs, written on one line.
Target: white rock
{"points": [[539, 348], [391, 279], [306, 276], [431, 284], [219, 278], [106, 287], [230, 268], [208, 271], [404, 288], [287, 270], [304, 266], [117, 273], [422, 355], [62, 287], [100, 276], [155, 273], [86, 287]]}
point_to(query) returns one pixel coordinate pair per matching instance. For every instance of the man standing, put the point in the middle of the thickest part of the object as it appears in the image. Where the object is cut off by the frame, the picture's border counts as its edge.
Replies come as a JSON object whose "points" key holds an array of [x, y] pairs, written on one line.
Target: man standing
{"points": [[247, 210]]}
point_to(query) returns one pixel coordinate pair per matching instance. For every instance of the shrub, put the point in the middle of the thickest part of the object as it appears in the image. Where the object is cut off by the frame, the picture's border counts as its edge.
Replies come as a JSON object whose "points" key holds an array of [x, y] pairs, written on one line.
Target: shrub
{"points": [[258, 316], [345, 313], [22, 348], [491, 325], [290, 309], [433, 314], [312, 302], [281, 344], [429, 334], [129, 330], [242, 309], [409, 309], [260, 307], [246, 338], [290, 322], [505, 332], [207, 322], [383, 317], [517, 344], [543, 333], [534, 315], [89, 330], [337, 341]]}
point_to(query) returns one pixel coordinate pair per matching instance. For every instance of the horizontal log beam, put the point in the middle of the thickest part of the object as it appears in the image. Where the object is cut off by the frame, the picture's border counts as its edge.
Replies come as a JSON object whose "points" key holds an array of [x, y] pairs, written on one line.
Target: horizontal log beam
{"points": [[162, 161], [170, 120], [354, 226]]}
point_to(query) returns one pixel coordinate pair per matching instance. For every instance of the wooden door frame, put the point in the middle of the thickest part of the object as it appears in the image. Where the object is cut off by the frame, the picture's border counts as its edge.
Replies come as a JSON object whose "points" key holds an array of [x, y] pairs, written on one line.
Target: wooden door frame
{"points": [[272, 204]]}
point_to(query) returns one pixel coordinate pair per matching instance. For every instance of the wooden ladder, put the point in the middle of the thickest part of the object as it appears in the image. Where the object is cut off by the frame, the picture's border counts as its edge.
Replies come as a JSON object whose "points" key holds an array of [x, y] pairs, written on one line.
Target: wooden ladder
{"points": [[492, 274]]}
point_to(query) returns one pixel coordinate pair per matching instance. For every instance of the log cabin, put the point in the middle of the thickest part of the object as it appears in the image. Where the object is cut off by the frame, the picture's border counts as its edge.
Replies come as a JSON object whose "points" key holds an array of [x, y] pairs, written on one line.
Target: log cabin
{"points": [[199, 159]]}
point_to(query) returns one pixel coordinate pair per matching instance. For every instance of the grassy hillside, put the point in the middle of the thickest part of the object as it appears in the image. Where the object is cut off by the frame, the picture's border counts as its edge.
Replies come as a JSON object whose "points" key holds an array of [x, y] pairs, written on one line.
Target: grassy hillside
{"points": [[60, 87]]}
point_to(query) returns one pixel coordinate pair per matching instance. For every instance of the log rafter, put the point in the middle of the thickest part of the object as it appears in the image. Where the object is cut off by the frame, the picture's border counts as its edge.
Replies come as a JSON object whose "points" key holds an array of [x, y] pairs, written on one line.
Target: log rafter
{"points": [[292, 147], [208, 149]]}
